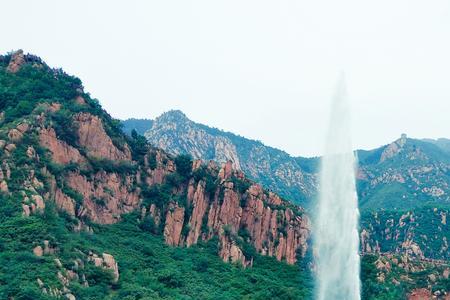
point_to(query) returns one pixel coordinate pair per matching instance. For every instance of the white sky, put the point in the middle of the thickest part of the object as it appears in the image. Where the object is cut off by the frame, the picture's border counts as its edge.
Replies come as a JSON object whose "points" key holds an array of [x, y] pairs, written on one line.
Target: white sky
{"points": [[262, 69]]}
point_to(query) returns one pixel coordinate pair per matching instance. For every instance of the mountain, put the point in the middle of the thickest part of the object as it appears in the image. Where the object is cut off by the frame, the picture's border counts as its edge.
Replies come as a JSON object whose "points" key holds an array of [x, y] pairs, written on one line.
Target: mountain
{"points": [[87, 212], [140, 125], [273, 168], [402, 175], [442, 143], [405, 174]]}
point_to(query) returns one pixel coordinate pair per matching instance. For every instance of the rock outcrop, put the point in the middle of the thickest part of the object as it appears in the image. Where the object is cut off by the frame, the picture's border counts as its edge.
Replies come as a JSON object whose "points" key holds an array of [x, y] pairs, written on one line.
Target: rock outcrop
{"points": [[106, 261], [105, 196], [420, 294], [174, 225], [393, 149], [17, 61], [65, 203], [230, 252], [62, 153], [93, 137], [259, 216]]}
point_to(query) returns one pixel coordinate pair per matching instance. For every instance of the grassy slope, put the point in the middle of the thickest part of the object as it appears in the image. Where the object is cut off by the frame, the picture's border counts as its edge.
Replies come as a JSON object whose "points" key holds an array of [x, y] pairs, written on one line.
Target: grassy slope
{"points": [[148, 268]]}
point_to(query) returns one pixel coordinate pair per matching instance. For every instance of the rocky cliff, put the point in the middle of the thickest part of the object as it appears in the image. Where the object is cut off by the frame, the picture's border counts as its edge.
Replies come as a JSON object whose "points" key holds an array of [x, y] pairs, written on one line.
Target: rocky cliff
{"points": [[77, 158]]}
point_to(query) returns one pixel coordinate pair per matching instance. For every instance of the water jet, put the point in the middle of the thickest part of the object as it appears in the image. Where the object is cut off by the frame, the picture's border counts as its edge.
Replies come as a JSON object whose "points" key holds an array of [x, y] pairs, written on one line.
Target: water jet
{"points": [[336, 224]]}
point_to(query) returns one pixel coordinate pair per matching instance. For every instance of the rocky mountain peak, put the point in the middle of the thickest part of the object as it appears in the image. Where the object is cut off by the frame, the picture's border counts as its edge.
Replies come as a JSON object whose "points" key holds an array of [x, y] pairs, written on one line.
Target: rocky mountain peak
{"points": [[18, 58], [394, 148], [175, 116]]}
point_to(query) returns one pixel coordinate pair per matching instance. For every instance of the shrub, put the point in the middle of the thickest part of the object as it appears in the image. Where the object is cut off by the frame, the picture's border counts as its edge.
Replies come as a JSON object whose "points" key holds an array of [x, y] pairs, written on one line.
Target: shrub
{"points": [[65, 128], [184, 165], [110, 166]]}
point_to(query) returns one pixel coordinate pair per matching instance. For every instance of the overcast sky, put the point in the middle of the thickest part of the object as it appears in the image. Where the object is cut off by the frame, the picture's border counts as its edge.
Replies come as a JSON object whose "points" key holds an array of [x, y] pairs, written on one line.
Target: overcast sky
{"points": [[263, 69]]}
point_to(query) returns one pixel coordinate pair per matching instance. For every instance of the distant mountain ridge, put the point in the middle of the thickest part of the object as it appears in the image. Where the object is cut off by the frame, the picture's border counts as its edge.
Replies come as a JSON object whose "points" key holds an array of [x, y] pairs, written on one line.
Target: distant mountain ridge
{"points": [[442, 143], [140, 125], [403, 174], [273, 168]]}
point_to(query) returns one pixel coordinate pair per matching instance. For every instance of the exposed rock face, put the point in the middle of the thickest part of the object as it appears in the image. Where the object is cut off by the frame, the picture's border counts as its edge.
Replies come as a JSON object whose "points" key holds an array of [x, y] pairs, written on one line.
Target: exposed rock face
{"points": [[65, 203], [392, 149], [106, 261], [199, 141], [111, 264], [274, 232], [62, 153], [174, 225], [199, 204], [105, 196], [17, 60], [163, 167], [15, 135], [98, 144], [230, 252], [420, 294], [38, 251], [4, 187], [207, 202], [40, 205]]}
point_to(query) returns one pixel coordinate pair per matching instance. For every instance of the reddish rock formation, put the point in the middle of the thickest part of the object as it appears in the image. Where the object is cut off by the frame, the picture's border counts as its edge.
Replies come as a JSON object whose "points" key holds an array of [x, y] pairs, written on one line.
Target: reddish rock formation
{"points": [[15, 135], [230, 252], [261, 217], [105, 196], [273, 232], [111, 264], [420, 294], [17, 60], [65, 203], [164, 166], [226, 171], [98, 144], [80, 100], [107, 261], [39, 202], [62, 153], [199, 204], [156, 214], [174, 225], [38, 251], [4, 187]]}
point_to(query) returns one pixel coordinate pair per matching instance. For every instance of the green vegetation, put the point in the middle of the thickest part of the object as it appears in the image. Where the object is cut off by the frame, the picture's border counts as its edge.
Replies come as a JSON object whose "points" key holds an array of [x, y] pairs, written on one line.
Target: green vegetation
{"points": [[394, 287], [148, 268], [425, 226]]}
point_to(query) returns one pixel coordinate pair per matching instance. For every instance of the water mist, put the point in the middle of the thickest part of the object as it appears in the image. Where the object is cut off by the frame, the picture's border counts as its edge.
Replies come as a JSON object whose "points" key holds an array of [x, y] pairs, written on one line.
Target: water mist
{"points": [[336, 224]]}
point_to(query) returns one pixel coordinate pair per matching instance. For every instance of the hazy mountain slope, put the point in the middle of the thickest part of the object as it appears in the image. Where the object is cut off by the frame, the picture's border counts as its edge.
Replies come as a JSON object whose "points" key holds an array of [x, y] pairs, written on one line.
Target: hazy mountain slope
{"points": [[442, 143], [273, 168], [140, 125]]}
